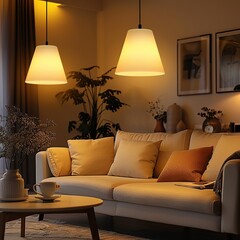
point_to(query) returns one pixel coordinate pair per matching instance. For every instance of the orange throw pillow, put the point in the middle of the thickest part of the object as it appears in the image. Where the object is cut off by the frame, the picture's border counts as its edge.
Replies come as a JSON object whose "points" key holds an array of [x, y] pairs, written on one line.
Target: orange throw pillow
{"points": [[186, 165]]}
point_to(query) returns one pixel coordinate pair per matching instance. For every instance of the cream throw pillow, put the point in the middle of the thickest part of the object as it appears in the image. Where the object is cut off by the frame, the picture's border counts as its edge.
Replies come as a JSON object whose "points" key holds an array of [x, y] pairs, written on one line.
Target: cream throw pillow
{"points": [[135, 159], [224, 148], [91, 157], [59, 161], [170, 142]]}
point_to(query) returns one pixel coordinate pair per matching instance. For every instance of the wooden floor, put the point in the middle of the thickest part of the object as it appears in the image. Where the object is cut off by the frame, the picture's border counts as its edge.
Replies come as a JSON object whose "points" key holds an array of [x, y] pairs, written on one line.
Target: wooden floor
{"points": [[144, 229]]}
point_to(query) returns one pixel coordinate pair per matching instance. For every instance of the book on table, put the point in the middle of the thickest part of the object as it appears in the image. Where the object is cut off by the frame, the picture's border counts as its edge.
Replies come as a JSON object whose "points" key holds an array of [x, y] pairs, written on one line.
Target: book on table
{"points": [[197, 185]]}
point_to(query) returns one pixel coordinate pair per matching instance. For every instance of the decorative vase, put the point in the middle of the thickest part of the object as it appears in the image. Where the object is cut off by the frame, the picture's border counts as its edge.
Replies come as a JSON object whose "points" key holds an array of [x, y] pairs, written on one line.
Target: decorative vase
{"points": [[159, 126], [12, 186], [174, 119], [214, 123]]}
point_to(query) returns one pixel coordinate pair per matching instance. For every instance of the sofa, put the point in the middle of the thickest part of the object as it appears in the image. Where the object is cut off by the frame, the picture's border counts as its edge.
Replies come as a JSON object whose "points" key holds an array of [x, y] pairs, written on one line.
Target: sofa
{"points": [[152, 176]]}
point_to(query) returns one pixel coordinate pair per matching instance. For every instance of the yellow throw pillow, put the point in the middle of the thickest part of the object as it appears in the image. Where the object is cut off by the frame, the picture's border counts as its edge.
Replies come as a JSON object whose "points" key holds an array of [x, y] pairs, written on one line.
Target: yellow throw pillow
{"points": [[135, 159], [186, 165], [91, 157], [59, 161], [226, 146]]}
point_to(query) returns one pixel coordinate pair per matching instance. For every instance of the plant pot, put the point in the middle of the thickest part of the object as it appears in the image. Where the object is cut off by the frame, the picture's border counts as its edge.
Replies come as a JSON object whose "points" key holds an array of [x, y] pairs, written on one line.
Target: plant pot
{"points": [[213, 123], [159, 126], [12, 186]]}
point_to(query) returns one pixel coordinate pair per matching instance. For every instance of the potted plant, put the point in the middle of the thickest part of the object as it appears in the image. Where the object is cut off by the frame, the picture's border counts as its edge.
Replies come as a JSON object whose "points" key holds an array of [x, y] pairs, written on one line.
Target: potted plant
{"points": [[20, 136], [211, 122], [159, 113], [88, 93]]}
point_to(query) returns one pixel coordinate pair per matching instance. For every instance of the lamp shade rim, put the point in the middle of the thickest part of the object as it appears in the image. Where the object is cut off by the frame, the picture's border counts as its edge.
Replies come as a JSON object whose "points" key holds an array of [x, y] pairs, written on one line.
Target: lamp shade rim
{"points": [[139, 74]]}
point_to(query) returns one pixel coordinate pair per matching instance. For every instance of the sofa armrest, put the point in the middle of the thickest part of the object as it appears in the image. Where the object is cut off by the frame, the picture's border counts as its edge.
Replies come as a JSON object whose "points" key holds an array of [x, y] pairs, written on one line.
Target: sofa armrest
{"points": [[230, 222], [42, 168]]}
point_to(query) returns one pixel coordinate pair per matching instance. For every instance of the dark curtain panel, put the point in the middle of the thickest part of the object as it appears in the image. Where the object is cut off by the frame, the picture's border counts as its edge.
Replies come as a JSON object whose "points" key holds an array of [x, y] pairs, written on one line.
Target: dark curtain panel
{"points": [[21, 46]]}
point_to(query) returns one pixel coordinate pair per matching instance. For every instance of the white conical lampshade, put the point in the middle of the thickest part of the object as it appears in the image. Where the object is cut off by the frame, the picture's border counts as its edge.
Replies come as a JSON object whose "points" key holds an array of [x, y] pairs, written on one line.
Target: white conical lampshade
{"points": [[140, 56], [46, 67]]}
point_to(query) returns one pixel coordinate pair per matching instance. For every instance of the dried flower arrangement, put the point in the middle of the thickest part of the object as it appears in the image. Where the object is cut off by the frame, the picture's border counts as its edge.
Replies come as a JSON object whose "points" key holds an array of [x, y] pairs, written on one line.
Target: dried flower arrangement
{"points": [[210, 113], [157, 110], [21, 135]]}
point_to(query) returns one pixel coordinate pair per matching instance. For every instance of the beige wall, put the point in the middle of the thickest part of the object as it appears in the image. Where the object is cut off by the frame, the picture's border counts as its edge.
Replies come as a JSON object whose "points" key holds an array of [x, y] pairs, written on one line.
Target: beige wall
{"points": [[86, 37]]}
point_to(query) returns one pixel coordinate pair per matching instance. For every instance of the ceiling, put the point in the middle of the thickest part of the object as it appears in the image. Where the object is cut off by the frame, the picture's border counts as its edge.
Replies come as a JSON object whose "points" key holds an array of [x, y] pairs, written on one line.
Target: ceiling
{"points": [[91, 5]]}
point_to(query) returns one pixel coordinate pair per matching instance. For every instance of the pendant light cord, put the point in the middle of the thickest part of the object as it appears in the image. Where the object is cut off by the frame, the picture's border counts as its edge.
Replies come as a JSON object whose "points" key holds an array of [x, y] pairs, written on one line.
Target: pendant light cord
{"points": [[139, 15], [46, 22]]}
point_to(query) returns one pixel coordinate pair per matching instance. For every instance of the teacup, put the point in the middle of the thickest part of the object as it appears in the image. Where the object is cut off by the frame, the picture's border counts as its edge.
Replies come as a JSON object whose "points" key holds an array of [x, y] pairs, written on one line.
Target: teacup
{"points": [[47, 189]]}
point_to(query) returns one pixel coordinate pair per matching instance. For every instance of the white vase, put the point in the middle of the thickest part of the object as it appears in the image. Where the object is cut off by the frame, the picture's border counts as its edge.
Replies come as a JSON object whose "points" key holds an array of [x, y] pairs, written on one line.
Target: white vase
{"points": [[12, 186]]}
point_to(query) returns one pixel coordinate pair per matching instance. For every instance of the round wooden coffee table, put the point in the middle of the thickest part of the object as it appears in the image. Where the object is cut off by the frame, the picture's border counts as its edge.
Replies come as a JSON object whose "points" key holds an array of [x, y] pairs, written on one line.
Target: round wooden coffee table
{"points": [[65, 204]]}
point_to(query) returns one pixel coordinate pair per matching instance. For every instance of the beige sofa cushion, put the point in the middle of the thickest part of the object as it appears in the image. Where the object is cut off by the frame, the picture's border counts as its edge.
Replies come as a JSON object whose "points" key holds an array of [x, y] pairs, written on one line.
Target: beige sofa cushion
{"points": [[168, 195], [226, 145], [100, 186], [59, 161], [201, 139], [171, 142], [135, 159], [186, 165], [91, 156]]}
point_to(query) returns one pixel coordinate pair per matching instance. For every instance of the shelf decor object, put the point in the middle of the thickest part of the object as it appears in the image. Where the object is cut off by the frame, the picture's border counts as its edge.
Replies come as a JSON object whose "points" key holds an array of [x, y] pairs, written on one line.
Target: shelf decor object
{"points": [[46, 66], [194, 65], [140, 56]]}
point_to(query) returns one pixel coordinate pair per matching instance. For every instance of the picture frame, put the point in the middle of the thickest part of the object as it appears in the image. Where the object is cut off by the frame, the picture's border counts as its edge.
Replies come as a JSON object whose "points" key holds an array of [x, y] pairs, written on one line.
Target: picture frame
{"points": [[227, 45], [194, 65]]}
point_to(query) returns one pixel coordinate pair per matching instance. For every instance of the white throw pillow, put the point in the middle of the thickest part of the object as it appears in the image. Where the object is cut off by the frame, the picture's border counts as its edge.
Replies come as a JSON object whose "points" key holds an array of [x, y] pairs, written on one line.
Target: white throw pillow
{"points": [[91, 157], [135, 159], [59, 161], [224, 148]]}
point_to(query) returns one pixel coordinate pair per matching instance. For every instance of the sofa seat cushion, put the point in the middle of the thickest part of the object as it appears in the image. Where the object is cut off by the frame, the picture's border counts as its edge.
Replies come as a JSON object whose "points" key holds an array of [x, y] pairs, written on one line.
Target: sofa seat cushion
{"points": [[168, 195], [94, 186]]}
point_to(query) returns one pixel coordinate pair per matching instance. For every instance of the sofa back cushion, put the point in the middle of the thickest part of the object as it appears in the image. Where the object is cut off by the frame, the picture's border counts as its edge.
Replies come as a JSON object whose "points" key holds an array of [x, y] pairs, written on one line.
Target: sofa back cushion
{"points": [[201, 139], [170, 142], [135, 159], [91, 156], [226, 145], [59, 161]]}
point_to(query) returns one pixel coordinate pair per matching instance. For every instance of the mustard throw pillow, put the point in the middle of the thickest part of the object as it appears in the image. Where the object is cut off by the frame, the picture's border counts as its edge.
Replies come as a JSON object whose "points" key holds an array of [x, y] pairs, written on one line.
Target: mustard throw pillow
{"points": [[91, 157], [135, 159], [59, 161], [186, 165]]}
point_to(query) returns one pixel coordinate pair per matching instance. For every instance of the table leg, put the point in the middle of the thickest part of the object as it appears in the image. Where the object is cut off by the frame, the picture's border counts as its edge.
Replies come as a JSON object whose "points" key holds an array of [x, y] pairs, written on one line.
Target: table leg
{"points": [[23, 224], [93, 224], [2, 225]]}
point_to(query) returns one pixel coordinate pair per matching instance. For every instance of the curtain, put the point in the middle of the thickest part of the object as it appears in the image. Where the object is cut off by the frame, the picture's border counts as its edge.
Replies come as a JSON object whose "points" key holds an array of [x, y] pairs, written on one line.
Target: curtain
{"points": [[20, 47]]}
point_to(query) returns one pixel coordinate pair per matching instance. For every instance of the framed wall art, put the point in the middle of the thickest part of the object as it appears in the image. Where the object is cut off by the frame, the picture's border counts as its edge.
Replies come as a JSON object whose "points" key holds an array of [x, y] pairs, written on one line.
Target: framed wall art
{"points": [[227, 60], [194, 65]]}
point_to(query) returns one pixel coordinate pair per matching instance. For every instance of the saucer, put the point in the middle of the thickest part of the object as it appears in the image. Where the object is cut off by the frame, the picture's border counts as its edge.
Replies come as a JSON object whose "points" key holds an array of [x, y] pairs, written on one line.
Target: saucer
{"points": [[47, 199]]}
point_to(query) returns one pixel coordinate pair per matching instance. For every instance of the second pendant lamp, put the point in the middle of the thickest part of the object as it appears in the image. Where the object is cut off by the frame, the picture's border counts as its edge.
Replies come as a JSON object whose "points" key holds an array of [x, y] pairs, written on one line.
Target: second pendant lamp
{"points": [[140, 56]]}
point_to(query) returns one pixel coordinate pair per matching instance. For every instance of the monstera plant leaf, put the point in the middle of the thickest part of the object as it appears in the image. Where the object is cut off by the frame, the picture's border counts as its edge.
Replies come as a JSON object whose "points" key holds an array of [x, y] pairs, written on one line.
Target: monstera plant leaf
{"points": [[74, 94], [93, 101]]}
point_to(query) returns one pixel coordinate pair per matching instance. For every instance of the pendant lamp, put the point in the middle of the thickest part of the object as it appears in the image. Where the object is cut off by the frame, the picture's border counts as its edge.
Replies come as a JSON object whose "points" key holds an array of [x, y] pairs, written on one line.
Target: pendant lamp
{"points": [[139, 56], [46, 66]]}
